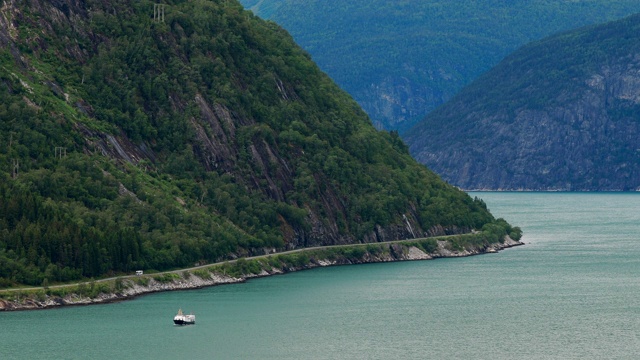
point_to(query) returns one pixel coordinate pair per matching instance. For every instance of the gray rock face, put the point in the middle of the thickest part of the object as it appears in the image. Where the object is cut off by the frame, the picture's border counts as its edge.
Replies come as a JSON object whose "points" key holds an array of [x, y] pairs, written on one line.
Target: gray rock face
{"points": [[398, 103]]}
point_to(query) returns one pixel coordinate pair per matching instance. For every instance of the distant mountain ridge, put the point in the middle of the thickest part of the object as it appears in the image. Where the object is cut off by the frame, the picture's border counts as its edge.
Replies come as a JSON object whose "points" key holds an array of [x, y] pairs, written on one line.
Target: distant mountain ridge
{"points": [[402, 59], [562, 113]]}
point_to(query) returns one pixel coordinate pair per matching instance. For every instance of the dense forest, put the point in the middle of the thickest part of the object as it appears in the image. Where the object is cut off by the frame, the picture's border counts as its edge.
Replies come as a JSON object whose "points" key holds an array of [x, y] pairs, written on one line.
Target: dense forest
{"points": [[135, 135], [402, 59], [558, 114]]}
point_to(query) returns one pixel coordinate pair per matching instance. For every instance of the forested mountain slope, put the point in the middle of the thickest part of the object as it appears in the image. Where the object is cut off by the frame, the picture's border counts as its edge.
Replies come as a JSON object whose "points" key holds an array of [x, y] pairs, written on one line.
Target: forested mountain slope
{"points": [[401, 59], [143, 136], [562, 113]]}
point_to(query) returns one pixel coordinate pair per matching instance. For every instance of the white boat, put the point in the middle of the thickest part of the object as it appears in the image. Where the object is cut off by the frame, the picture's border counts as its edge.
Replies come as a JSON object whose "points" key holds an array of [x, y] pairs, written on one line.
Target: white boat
{"points": [[182, 319]]}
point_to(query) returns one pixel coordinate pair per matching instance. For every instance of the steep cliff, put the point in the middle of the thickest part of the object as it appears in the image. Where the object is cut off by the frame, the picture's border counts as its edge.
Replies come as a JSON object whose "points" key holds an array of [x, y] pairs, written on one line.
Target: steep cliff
{"points": [[144, 135], [558, 114]]}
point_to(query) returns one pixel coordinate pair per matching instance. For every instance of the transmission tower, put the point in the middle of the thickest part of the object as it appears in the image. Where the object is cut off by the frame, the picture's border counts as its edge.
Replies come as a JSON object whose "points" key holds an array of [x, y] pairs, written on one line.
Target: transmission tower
{"points": [[60, 152], [158, 12]]}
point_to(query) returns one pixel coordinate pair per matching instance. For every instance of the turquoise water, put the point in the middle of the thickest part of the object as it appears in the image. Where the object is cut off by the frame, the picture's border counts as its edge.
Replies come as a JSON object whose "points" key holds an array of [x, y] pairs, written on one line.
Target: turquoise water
{"points": [[570, 293]]}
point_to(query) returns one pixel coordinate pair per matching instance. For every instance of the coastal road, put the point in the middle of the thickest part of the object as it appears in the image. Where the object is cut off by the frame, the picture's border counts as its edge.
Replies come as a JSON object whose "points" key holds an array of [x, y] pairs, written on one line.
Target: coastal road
{"points": [[219, 263]]}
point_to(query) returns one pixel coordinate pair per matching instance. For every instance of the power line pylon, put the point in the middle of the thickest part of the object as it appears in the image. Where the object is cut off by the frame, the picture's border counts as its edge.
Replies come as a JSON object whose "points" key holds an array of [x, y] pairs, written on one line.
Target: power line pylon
{"points": [[60, 152], [158, 12]]}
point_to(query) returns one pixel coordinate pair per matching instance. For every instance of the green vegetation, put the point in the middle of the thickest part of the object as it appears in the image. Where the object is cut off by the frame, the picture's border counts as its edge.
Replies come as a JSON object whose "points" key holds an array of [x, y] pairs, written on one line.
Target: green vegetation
{"points": [[202, 274], [166, 277], [153, 145], [401, 59]]}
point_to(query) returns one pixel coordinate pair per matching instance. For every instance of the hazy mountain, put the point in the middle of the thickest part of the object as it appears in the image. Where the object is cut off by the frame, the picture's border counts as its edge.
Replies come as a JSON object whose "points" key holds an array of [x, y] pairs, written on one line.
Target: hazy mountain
{"points": [[562, 113], [401, 59]]}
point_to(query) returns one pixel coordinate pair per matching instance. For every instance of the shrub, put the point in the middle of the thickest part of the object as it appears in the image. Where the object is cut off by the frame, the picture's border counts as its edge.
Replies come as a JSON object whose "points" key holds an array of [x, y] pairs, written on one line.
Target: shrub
{"points": [[374, 249], [428, 245], [166, 278], [355, 253], [516, 233], [142, 280], [202, 274]]}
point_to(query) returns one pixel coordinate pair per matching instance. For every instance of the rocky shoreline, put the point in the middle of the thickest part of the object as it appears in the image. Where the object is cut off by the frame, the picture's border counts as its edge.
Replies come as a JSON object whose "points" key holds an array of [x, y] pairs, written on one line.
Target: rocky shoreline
{"points": [[132, 288]]}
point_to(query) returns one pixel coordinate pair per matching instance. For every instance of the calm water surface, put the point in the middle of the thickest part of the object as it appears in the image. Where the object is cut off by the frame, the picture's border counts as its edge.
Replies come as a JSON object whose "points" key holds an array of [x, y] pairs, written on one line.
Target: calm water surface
{"points": [[571, 293]]}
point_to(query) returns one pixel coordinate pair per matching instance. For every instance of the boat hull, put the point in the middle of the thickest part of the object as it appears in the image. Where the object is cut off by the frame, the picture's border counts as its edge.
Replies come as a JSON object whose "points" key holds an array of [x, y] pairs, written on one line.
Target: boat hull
{"points": [[183, 322]]}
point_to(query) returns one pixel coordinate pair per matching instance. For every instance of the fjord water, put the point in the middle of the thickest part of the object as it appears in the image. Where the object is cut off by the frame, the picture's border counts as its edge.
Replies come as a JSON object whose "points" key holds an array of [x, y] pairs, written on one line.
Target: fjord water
{"points": [[571, 293]]}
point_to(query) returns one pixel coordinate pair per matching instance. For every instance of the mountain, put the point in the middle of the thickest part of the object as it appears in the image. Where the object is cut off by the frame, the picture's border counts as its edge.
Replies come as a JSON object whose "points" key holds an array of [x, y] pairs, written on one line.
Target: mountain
{"points": [[137, 135], [402, 59], [562, 113]]}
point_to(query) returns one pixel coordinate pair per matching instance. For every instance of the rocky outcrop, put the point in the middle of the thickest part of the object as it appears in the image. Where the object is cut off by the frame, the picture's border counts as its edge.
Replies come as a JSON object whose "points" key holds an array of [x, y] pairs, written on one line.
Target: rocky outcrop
{"points": [[132, 287], [398, 103], [115, 146], [215, 134]]}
